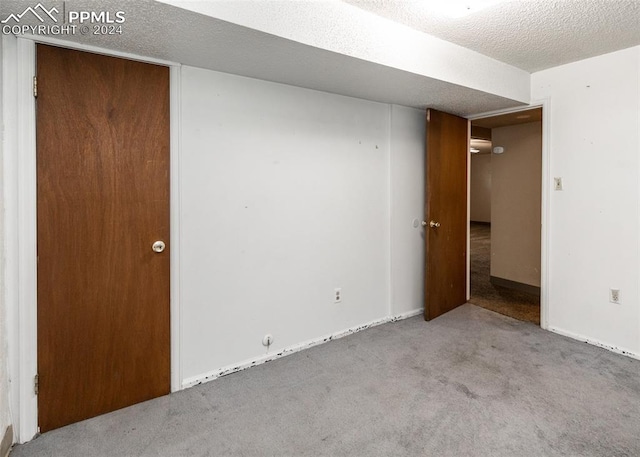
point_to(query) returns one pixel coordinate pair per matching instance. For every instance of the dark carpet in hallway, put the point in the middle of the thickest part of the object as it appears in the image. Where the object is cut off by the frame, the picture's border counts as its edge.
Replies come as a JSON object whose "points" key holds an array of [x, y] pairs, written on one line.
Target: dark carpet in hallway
{"points": [[519, 305]]}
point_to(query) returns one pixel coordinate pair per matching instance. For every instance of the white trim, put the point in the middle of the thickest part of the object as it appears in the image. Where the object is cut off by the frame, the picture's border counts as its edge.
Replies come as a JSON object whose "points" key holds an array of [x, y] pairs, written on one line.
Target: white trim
{"points": [[390, 194], [21, 216], [215, 374], [468, 275], [20, 224], [638, 265], [407, 315], [607, 346], [545, 212], [9, 214], [96, 50], [27, 217], [175, 199]]}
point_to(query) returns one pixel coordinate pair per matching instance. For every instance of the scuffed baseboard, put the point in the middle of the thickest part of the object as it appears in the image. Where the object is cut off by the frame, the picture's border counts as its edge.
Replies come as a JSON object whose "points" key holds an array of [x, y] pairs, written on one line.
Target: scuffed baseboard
{"points": [[591, 341], [7, 441], [210, 376]]}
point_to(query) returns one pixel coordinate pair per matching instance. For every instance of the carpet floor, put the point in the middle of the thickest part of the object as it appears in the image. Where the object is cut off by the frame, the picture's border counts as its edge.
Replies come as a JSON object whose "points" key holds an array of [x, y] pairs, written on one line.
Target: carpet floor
{"points": [[469, 383], [519, 305]]}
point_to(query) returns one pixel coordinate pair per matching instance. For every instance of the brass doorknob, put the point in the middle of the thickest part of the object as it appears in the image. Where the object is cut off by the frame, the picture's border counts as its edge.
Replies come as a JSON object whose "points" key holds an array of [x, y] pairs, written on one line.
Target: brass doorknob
{"points": [[434, 224]]}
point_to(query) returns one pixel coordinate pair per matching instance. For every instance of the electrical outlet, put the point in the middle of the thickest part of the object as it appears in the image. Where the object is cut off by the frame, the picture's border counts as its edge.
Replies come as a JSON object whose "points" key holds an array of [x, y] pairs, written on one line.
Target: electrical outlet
{"points": [[337, 295], [614, 295], [557, 183]]}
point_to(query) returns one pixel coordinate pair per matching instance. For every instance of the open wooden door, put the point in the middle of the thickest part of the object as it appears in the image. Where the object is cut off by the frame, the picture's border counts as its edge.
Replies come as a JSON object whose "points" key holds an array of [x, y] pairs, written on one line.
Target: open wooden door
{"points": [[445, 213], [103, 220]]}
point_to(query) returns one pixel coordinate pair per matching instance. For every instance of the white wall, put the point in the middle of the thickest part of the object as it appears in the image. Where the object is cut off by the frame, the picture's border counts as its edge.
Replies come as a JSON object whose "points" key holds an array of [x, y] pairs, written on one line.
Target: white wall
{"points": [[407, 204], [593, 223], [285, 195], [5, 419], [480, 192]]}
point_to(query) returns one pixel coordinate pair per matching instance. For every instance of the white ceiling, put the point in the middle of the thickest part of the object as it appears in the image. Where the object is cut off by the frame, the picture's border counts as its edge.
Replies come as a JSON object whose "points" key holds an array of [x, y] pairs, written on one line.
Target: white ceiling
{"points": [[167, 32], [532, 35], [334, 46]]}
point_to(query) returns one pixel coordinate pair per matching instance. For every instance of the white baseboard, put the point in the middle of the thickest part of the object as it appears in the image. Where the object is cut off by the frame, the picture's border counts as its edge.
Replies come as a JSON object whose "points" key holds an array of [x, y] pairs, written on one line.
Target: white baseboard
{"points": [[608, 347], [210, 376], [408, 314]]}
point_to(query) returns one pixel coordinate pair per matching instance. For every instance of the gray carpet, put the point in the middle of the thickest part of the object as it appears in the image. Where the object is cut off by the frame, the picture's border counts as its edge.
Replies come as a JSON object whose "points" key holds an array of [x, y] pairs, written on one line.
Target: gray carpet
{"points": [[470, 383]]}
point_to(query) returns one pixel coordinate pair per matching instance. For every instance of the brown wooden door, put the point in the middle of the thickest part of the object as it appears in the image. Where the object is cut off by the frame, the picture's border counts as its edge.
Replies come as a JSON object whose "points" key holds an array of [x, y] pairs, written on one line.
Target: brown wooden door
{"points": [[103, 200], [446, 207]]}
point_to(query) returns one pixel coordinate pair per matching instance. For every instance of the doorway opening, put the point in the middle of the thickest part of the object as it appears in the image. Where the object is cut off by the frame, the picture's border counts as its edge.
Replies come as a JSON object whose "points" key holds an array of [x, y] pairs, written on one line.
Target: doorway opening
{"points": [[505, 213]]}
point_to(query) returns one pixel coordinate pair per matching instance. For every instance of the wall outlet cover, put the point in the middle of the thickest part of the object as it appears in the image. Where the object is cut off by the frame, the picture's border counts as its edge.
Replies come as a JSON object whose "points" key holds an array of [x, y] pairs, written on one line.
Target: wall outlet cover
{"points": [[557, 183], [614, 295]]}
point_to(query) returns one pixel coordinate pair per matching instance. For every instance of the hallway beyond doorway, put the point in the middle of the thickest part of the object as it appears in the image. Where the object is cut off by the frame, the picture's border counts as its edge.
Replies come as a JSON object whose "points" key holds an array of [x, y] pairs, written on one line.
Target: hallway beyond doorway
{"points": [[519, 305]]}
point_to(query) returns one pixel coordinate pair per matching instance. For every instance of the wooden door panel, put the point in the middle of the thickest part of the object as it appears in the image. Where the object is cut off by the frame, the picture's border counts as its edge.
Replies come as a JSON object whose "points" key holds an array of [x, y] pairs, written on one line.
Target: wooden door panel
{"points": [[103, 199], [446, 204]]}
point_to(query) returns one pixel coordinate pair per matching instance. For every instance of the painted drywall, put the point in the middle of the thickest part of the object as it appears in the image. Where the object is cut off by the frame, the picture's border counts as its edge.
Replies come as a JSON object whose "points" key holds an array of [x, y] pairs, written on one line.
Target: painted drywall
{"points": [[407, 208], [5, 420], [594, 141], [480, 188], [346, 30], [284, 197], [516, 186]]}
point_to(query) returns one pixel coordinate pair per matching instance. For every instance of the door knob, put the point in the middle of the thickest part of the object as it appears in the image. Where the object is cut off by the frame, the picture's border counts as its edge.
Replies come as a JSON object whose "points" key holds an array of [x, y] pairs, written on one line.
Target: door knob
{"points": [[434, 224], [158, 246]]}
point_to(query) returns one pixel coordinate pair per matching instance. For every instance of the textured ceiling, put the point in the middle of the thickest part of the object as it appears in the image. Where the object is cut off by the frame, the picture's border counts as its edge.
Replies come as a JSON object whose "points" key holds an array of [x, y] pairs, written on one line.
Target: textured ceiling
{"points": [[532, 35], [169, 33]]}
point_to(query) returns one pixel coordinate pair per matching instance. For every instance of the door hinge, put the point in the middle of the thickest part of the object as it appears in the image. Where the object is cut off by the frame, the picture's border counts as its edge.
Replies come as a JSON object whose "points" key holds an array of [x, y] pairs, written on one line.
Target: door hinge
{"points": [[36, 384], [35, 86]]}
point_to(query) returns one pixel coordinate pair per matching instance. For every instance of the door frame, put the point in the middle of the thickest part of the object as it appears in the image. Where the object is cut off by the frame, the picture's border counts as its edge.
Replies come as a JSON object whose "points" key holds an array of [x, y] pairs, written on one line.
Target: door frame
{"points": [[545, 104], [19, 221]]}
